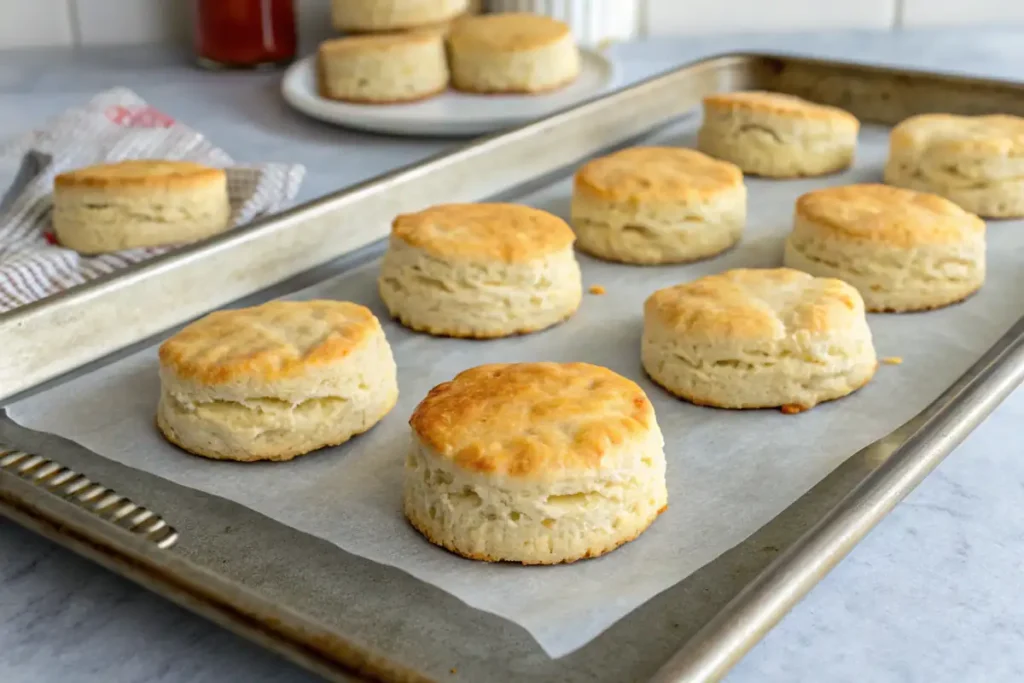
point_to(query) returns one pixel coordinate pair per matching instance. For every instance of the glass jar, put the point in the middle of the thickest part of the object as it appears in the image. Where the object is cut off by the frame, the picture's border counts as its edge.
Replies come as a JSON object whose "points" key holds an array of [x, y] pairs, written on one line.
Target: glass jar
{"points": [[244, 34]]}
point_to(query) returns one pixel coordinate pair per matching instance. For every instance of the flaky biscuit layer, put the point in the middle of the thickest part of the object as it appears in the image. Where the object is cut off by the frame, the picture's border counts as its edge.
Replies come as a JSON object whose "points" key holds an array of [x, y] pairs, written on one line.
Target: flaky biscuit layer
{"points": [[902, 250], [539, 463], [758, 339], [275, 381], [512, 53], [388, 68], [975, 161], [777, 135]]}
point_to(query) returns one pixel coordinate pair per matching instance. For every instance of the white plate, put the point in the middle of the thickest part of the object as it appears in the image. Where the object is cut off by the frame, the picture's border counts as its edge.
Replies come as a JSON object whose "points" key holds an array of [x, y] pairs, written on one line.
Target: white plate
{"points": [[450, 113]]}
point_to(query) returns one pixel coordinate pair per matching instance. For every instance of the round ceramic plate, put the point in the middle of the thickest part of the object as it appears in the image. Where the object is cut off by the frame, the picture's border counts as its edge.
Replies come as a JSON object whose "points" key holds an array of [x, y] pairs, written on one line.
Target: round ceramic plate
{"points": [[450, 113]]}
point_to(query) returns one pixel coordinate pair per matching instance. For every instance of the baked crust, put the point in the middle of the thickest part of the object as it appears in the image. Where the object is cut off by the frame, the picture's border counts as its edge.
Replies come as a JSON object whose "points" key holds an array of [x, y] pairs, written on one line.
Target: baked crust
{"points": [[755, 304], [505, 233], [645, 174], [532, 421], [887, 215], [273, 341], [779, 104], [992, 135], [506, 32], [141, 174]]}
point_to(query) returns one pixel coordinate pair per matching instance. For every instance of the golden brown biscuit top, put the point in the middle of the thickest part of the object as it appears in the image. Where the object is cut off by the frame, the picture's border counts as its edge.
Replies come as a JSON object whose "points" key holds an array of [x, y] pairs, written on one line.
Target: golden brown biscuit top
{"points": [[508, 233], [532, 420], [276, 340], [381, 42], [508, 32], [657, 173], [142, 173], [756, 304], [779, 104], [997, 134], [888, 215]]}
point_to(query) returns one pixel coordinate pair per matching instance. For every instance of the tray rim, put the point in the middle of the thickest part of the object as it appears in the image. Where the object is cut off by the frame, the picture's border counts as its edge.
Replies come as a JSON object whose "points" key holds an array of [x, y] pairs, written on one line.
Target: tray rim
{"points": [[708, 655]]}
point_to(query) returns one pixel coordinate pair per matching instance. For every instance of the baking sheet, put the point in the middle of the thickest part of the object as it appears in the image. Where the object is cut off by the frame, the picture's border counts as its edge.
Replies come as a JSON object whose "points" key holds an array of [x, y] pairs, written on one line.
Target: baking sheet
{"points": [[729, 472]]}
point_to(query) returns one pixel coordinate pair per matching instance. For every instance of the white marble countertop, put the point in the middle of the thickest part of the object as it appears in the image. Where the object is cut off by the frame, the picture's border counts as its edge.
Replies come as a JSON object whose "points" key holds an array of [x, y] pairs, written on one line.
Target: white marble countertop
{"points": [[933, 594]]}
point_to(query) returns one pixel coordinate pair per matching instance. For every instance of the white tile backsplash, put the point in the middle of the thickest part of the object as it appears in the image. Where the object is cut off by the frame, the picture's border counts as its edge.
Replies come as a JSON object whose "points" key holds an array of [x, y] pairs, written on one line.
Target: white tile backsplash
{"points": [[26, 23], [672, 17], [35, 23], [131, 22], [961, 12]]}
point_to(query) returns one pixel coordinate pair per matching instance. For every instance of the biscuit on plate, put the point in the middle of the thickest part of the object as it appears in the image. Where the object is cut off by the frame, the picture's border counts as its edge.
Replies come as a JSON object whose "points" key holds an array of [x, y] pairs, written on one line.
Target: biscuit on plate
{"points": [[538, 463], [758, 339], [371, 16], [275, 381], [139, 203], [512, 53], [648, 205], [383, 69], [776, 135], [480, 270], [974, 161], [903, 250]]}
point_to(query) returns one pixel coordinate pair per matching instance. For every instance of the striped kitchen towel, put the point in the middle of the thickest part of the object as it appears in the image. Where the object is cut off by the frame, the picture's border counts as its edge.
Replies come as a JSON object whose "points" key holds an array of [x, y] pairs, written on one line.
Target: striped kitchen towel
{"points": [[114, 126]]}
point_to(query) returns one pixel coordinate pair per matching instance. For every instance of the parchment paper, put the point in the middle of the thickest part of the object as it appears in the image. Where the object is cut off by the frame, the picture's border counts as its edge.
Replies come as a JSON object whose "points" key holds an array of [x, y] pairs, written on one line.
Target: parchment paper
{"points": [[729, 472]]}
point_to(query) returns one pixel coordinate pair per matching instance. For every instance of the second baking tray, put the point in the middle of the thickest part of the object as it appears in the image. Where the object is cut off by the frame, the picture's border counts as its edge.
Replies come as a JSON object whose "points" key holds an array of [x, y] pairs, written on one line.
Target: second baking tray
{"points": [[340, 614]]}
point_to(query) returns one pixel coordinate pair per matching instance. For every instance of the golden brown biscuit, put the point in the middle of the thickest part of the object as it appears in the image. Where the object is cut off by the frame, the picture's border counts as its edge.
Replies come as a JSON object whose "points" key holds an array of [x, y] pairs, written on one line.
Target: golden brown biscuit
{"points": [[480, 270], [777, 135], [649, 205], [510, 233], [753, 338], [383, 69], [275, 381], [975, 161], [538, 463], [903, 250], [139, 203], [512, 53]]}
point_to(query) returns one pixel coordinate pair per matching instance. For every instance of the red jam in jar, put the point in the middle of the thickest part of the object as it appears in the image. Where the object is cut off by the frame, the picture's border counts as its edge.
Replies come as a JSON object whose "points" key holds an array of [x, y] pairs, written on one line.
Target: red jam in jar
{"points": [[244, 33]]}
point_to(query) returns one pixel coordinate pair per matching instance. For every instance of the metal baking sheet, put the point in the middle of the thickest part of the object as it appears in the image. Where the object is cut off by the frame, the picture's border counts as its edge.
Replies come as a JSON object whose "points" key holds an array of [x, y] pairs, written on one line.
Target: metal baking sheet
{"points": [[677, 615]]}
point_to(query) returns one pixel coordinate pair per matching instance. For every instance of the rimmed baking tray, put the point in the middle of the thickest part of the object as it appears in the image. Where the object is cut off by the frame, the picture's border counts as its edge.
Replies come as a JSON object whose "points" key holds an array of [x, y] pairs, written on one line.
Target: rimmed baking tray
{"points": [[239, 568]]}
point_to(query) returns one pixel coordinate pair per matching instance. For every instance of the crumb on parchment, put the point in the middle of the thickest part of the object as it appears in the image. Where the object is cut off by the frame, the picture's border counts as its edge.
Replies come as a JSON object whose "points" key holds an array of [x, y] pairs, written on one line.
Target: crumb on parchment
{"points": [[792, 409], [454, 670], [892, 360], [597, 289]]}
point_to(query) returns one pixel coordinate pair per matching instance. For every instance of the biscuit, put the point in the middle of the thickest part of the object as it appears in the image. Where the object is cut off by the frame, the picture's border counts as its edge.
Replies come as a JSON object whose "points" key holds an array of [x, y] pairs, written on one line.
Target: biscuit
{"points": [[650, 205], [371, 16], [538, 463], [275, 381], [512, 53], [975, 161], [776, 135], [480, 270], [141, 203], [758, 339], [902, 250], [383, 69]]}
